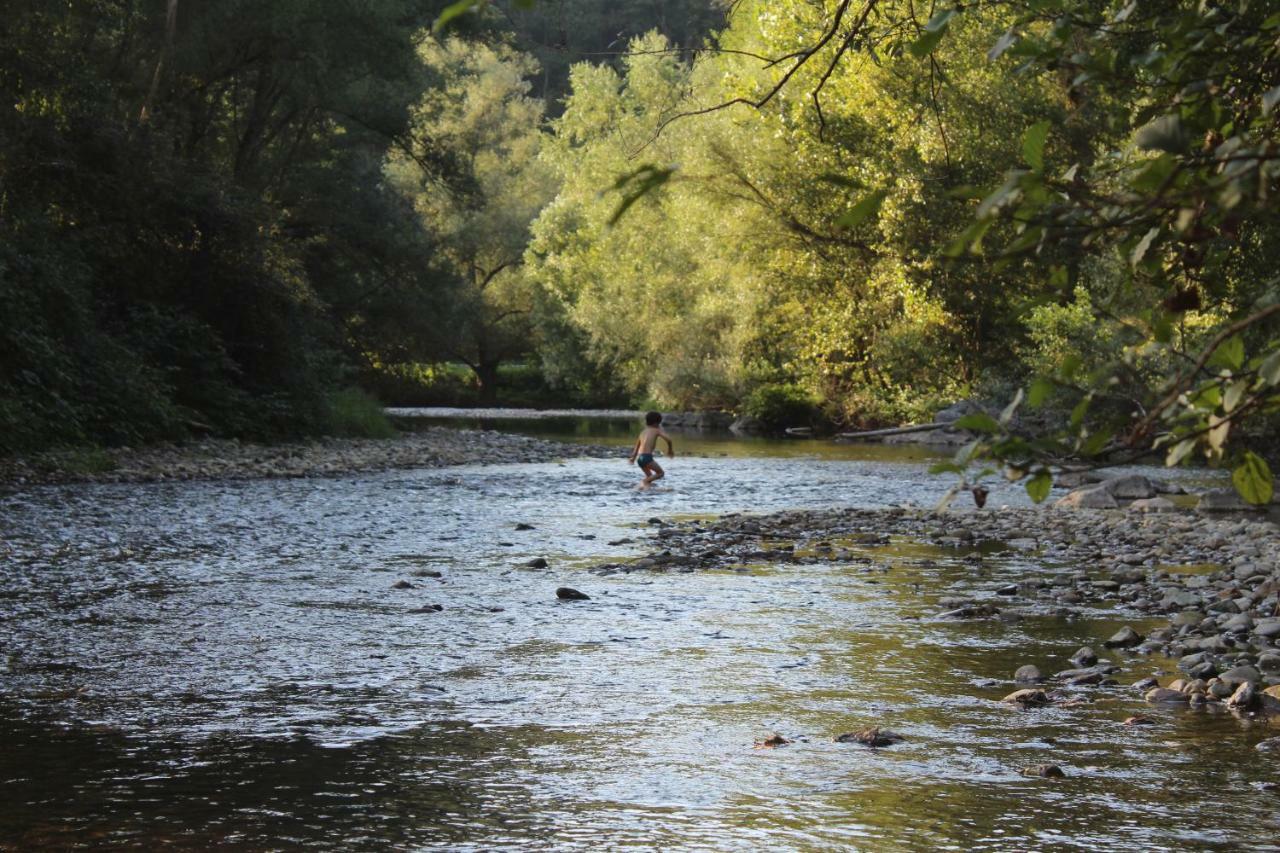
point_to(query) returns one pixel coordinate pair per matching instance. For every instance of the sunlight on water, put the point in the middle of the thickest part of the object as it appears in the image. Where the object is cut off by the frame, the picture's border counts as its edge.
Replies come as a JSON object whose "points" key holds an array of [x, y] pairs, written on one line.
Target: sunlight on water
{"points": [[258, 664]]}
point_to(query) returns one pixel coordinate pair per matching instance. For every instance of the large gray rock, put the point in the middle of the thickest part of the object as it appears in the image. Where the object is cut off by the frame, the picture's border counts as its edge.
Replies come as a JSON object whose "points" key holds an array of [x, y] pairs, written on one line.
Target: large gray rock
{"points": [[1267, 628], [1225, 500], [1028, 674], [1241, 675], [747, 425], [1124, 638], [1089, 497], [1130, 487], [1153, 505], [956, 411]]}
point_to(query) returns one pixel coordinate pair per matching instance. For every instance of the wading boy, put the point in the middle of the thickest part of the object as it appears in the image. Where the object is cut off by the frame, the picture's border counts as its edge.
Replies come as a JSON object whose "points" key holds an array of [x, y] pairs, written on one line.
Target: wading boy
{"points": [[642, 453]]}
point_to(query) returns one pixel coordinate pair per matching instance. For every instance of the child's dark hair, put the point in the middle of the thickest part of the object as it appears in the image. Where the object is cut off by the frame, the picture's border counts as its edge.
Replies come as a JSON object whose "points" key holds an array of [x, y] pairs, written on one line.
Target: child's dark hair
{"points": [[653, 418]]}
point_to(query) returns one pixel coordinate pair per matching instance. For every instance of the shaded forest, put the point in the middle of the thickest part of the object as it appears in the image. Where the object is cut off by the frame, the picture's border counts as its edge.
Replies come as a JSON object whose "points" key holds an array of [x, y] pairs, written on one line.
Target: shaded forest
{"points": [[240, 220]]}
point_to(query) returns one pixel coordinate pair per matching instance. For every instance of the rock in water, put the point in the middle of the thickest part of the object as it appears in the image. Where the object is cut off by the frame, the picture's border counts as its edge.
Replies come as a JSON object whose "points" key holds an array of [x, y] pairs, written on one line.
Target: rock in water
{"points": [[1028, 674], [402, 585], [1126, 637], [428, 608], [1027, 698], [1084, 656], [772, 741], [874, 736], [1047, 771], [568, 593], [523, 526], [1157, 695], [537, 563]]}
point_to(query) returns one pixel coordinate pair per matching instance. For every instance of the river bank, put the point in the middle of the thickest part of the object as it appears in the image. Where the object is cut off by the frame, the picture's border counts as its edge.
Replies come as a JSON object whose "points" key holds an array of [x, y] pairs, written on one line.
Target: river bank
{"points": [[214, 459], [1214, 582]]}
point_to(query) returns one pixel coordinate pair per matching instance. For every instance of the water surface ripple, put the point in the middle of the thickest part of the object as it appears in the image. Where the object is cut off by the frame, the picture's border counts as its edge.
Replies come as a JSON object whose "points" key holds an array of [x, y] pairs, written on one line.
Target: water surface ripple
{"points": [[231, 664]]}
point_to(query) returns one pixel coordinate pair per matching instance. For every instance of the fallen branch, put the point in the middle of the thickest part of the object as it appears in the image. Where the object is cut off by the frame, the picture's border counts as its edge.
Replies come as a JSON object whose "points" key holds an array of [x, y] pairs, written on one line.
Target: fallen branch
{"points": [[876, 433]]}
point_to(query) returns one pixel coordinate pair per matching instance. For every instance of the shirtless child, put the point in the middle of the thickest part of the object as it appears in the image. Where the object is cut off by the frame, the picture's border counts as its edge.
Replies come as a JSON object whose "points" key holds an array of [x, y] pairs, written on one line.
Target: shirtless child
{"points": [[642, 453]]}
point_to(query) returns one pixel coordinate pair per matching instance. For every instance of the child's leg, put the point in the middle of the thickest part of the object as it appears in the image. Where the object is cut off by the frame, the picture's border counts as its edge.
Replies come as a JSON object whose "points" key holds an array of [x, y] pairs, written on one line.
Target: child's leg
{"points": [[655, 472]]}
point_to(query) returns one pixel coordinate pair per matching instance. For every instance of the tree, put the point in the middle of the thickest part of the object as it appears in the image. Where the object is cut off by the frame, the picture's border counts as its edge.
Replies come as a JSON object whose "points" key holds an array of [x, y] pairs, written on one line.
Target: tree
{"points": [[484, 122]]}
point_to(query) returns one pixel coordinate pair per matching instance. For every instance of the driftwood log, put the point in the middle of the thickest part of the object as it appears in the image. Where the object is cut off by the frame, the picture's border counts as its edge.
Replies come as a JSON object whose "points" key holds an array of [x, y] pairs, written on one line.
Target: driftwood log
{"points": [[877, 433]]}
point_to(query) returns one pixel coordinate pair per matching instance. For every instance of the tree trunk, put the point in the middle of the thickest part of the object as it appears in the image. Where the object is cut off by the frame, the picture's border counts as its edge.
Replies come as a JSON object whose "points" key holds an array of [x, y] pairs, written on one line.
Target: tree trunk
{"points": [[487, 377]]}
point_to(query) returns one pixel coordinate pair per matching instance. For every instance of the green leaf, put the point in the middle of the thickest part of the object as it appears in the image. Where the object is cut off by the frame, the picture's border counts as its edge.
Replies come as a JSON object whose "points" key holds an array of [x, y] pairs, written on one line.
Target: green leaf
{"points": [[635, 185], [1165, 133], [1151, 177], [1080, 410], [1270, 99], [1140, 250], [1039, 392], [1009, 410], [1096, 443], [946, 468], [1229, 354], [1038, 486], [969, 240], [868, 206], [453, 10], [1002, 44], [1235, 393], [1252, 479], [977, 422], [1270, 369], [1218, 428], [924, 45], [1179, 451], [1033, 145]]}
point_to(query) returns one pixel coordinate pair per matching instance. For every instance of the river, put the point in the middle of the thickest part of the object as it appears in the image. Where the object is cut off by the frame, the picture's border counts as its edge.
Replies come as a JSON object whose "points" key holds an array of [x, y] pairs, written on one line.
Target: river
{"points": [[260, 665]]}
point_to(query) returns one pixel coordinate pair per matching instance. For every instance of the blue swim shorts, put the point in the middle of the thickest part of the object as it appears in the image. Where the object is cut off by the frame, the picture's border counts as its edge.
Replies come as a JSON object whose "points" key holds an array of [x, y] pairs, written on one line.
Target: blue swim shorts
{"points": [[644, 459]]}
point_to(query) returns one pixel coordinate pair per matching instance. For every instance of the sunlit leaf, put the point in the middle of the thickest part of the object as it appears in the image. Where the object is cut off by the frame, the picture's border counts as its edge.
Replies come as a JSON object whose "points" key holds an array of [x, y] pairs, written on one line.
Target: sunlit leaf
{"points": [[453, 10], [1235, 393], [1179, 451], [1270, 369], [1009, 410], [1140, 250], [1038, 487], [1033, 145], [1002, 44], [1217, 435], [1229, 354], [1252, 479], [924, 45], [1039, 392]]}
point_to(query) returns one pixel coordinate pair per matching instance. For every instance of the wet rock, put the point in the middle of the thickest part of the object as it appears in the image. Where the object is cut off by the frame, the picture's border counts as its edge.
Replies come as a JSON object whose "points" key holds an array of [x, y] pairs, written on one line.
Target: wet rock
{"points": [[1241, 675], [1090, 497], [537, 563], [1130, 487], [428, 573], [1028, 674], [1146, 683], [1046, 771], [1163, 695], [1028, 698], [874, 737], [1268, 628], [1139, 720], [772, 742], [1224, 500], [1084, 656], [1153, 505], [1010, 589], [523, 526], [1271, 744], [1123, 638], [971, 611], [1245, 697], [568, 593], [402, 585], [428, 608]]}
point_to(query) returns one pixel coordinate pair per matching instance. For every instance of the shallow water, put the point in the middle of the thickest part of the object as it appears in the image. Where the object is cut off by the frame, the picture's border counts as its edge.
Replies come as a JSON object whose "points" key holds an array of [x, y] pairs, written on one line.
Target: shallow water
{"points": [[228, 664]]}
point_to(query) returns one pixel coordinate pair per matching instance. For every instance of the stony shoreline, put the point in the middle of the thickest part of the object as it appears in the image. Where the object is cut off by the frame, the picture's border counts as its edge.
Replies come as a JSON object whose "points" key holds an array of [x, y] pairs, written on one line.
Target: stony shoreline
{"points": [[1213, 580], [434, 447]]}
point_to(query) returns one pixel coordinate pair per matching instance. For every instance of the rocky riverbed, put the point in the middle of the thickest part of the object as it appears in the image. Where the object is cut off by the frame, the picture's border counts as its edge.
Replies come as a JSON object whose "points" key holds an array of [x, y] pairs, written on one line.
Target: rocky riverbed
{"points": [[1212, 583], [230, 459]]}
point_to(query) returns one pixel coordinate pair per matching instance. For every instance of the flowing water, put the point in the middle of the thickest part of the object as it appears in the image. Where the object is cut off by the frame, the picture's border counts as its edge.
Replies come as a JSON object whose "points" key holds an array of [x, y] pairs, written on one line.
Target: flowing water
{"points": [[230, 665]]}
